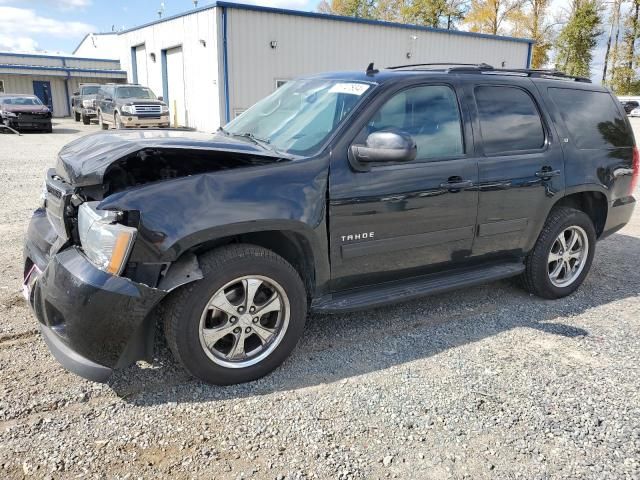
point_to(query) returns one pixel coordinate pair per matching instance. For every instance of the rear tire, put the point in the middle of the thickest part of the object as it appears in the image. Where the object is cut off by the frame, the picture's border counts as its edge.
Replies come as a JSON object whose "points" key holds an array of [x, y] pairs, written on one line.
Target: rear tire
{"points": [[117, 121], [267, 306], [562, 255], [77, 116], [86, 120]]}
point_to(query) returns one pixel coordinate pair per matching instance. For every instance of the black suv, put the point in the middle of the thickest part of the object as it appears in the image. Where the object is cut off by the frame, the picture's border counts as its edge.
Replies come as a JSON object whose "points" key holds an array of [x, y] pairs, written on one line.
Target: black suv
{"points": [[338, 192]]}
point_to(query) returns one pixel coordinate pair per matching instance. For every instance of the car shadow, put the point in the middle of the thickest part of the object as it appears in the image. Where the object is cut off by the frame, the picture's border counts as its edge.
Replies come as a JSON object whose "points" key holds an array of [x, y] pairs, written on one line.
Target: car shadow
{"points": [[338, 347]]}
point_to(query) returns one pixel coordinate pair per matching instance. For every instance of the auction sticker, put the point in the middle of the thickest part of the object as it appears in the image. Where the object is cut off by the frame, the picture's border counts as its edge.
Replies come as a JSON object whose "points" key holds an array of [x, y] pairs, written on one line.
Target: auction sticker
{"points": [[350, 88]]}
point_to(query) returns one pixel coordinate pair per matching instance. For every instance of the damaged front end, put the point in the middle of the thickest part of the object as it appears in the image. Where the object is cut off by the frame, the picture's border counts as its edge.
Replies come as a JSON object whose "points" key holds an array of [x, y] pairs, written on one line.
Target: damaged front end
{"points": [[87, 277]]}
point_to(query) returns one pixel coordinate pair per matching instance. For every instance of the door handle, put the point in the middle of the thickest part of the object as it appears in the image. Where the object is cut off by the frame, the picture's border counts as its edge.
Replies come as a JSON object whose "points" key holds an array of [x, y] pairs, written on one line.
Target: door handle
{"points": [[457, 185], [547, 173]]}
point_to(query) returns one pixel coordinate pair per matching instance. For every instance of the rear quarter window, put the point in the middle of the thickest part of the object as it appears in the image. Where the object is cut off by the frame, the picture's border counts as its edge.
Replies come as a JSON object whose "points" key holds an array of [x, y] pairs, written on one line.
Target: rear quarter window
{"points": [[593, 119]]}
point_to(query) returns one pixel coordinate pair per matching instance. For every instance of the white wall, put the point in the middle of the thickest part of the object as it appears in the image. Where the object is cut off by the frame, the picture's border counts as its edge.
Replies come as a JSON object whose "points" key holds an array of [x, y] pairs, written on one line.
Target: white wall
{"points": [[311, 45], [200, 62]]}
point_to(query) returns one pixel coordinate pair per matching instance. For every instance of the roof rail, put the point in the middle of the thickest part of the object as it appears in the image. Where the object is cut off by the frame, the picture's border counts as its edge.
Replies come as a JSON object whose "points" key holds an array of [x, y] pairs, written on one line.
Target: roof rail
{"points": [[443, 64], [488, 69]]}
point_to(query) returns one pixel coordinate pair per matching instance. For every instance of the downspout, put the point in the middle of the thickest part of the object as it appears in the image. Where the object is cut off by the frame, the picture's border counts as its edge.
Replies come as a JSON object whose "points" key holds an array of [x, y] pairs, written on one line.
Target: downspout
{"points": [[529, 49], [66, 88], [225, 67]]}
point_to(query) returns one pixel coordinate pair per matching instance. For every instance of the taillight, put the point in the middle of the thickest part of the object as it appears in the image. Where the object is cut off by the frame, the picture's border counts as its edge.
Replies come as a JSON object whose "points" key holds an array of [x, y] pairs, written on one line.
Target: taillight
{"points": [[636, 170]]}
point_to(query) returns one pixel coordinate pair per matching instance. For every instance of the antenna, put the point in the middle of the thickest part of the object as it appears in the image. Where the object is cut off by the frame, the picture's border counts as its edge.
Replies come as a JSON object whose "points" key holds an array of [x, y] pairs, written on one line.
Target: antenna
{"points": [[371, 70], [195, 3], [161, 10]]}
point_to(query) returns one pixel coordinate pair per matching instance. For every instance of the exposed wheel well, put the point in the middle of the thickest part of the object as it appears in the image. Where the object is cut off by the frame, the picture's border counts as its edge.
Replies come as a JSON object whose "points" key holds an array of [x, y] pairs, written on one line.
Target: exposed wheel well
{"points": [[592, 203], [291, 246]]}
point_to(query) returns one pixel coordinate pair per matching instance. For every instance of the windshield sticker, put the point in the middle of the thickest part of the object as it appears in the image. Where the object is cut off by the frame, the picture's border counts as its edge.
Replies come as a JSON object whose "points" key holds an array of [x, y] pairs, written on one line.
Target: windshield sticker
{"points": [[349, 88]]}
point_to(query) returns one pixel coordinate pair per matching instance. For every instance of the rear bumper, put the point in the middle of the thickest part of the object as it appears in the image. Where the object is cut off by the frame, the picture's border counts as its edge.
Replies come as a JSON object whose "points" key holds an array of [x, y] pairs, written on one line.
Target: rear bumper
{"points": [[620, 212], [92, 322]]}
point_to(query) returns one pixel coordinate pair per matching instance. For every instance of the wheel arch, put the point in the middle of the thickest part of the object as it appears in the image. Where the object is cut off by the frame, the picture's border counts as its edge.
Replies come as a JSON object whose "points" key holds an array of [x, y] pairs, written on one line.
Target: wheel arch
{"points": [[592, 201]]}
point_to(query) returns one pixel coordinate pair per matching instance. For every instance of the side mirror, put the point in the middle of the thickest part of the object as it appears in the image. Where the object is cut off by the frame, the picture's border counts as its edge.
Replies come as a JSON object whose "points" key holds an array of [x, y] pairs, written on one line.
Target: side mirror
{"points": [[161, 98], [108, 99], [386, 146], [76, 93]]}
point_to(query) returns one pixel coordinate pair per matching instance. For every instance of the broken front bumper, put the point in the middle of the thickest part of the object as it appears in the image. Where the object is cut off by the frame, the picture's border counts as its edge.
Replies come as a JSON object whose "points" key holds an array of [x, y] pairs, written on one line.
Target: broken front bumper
{"points": [[92, 322]]}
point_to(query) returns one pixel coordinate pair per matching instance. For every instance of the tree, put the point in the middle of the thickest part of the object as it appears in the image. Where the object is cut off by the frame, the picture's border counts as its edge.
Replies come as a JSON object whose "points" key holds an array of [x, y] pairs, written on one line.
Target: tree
{"points": [[436, 13], [615, 21], [578, 38], [490, 16], [623, 77], [532, 21], [350, 8]]}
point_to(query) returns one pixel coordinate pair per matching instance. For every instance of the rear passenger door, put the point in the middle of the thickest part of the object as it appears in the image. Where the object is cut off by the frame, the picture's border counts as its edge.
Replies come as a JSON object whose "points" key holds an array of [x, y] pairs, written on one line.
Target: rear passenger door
{"points": [[521, 165]]}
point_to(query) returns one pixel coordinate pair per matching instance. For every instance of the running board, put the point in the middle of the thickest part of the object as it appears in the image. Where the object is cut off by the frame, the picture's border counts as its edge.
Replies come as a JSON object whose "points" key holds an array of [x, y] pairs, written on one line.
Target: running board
{"points": [[415, 287]]}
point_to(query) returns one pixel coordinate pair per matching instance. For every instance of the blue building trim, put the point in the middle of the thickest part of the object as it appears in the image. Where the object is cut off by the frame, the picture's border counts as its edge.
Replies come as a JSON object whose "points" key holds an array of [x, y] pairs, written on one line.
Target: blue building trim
{"points": [[56, 57], [165, 76], [529, 50], [339, 18], [67, 70], [134, 64], [225, 68]]}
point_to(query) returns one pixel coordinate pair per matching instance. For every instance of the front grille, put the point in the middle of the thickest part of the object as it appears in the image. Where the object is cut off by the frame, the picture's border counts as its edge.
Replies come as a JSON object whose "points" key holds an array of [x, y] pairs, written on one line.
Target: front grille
{"points": [[58, 196], [32, 116], [147, 109]]}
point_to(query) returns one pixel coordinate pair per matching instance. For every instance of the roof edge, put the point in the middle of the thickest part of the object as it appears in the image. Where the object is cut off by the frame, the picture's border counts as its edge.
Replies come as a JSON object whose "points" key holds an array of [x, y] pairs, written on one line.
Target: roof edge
{"points": [[62, 57], [327, 16]]}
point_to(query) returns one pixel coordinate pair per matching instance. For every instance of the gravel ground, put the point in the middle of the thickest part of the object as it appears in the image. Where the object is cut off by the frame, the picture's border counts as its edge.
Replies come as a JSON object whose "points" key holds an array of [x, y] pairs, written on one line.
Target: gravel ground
{"points": [[484, 383]]}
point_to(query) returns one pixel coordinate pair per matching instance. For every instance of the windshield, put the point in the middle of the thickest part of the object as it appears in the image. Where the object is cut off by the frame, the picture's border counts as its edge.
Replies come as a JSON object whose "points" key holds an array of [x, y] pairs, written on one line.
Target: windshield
{"points": [[136, 92], [21, 101], [92, 90], [299, 116]]}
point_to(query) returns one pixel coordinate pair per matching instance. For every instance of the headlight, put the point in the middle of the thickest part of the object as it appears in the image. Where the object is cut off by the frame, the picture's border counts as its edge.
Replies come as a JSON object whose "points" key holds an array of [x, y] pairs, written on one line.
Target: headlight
{"points": [[87, 103], [164, 109], [128, 109], [106, 243], [9, 114]]}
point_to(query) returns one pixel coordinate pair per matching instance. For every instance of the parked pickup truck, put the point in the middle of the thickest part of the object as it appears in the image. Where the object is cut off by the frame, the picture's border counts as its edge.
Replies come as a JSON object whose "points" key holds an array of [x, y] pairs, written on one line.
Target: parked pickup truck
{"points": [[338, 192], [83, 102]]}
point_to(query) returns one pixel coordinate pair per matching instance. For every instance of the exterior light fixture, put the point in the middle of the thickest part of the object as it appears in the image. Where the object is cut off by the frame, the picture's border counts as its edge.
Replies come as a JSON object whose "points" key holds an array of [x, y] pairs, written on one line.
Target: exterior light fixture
{"points": [[273, 44], [203, 42], [153, 57]]}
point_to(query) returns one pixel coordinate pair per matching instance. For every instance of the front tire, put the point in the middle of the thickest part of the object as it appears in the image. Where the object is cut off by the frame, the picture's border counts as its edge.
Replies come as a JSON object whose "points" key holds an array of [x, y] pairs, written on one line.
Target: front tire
{"points": [[562, 256], [103, 125], [118, 121], [86, 120], [240, 321], [77, 116]]}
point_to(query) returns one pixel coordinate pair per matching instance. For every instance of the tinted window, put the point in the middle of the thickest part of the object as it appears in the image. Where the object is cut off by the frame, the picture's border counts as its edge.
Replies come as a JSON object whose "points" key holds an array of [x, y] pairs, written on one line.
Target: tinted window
{"points": [[91, 90], [509, 120], [429, 114], [593, 119]]}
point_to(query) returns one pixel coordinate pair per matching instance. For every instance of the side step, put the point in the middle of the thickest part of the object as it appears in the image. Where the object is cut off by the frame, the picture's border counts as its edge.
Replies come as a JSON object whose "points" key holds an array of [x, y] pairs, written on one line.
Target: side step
{"points": [[415, 287]]}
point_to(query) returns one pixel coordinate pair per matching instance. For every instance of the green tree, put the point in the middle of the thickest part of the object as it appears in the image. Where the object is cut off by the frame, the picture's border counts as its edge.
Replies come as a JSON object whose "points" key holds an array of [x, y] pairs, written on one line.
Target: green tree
{"points": [[578, 38], [435, 13], [350, 8], [624, 61]]}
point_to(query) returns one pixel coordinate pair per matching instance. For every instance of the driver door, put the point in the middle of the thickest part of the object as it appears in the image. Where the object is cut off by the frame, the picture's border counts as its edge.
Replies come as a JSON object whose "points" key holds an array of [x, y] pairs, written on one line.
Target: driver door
{"points": [[404, 219]]}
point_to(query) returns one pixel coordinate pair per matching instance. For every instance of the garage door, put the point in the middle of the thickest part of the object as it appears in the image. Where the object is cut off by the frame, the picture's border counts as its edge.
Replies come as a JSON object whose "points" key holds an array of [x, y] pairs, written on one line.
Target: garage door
{"points": [[141, 65], [175, 87]]}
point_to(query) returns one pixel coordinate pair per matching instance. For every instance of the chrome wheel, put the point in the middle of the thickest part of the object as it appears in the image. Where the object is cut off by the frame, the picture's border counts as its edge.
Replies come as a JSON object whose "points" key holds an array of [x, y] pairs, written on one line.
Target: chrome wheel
{"points": [[244, 321], [568, 256]]}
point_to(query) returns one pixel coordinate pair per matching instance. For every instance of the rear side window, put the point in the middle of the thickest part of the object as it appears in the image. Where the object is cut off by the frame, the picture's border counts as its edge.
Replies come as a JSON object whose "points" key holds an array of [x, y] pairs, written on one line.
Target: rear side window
{"points": [[509, 120], [593, 119]]}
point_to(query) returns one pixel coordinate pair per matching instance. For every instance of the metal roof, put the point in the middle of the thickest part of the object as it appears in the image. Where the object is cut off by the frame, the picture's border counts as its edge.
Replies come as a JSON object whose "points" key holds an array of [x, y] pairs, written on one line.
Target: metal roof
{"points": [[325, 16]]}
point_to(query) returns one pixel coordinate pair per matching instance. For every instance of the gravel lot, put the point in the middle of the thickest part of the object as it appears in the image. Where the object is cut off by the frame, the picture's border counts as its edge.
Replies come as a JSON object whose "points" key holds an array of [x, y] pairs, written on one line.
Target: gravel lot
{"points": [[484, 383]]}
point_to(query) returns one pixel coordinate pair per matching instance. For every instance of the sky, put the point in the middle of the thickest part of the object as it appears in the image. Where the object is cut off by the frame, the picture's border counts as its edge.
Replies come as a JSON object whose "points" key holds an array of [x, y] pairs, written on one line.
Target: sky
{"points": [[57, 26]]}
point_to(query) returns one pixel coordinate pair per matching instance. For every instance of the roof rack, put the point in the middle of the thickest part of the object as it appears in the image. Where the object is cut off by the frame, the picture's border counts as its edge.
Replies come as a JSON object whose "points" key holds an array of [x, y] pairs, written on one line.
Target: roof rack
{"points": [[490, 70]]}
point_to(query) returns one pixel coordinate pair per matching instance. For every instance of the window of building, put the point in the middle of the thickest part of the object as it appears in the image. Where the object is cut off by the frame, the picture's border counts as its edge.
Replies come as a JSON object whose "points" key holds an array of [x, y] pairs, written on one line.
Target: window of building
{"points": [[593, 119], [509, 120], [430, 114]]}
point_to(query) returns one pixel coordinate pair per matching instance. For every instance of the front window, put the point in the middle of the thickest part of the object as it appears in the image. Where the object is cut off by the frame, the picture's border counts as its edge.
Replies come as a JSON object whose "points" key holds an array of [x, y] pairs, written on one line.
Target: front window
{"points": [[300, 115], [92, 90], [21, 101], [136, 92]]}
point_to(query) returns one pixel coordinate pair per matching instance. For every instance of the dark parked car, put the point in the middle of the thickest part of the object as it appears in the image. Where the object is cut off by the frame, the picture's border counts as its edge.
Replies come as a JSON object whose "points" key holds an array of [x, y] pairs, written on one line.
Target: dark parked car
{"points": [[338, 192], [24, 112], [130, 106], [629, 105], [83, 102]]}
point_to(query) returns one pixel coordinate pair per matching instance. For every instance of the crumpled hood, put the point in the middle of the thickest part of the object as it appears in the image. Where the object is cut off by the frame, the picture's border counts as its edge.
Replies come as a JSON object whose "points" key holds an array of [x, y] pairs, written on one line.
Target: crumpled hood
{"points": [[84, 161]]}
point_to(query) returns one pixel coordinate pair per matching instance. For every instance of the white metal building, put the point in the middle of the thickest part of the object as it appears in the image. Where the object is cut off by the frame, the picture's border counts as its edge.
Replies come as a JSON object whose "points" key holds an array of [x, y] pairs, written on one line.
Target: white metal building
{"points": [[212, 63], [54, 78]]}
